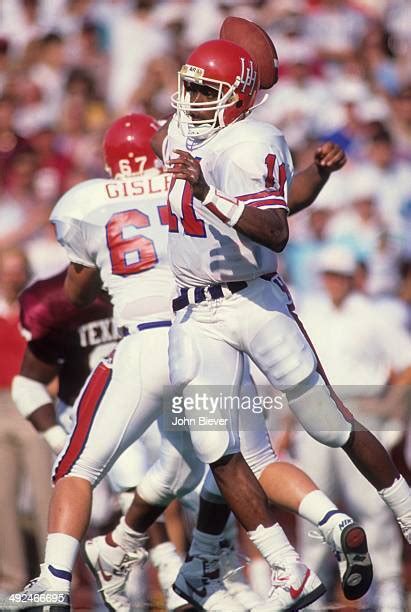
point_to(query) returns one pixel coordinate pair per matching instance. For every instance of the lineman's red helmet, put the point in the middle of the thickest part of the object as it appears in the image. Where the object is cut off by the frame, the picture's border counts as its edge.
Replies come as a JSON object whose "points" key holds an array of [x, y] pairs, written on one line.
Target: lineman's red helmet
{"points": [[127, 145], [227, 68]]}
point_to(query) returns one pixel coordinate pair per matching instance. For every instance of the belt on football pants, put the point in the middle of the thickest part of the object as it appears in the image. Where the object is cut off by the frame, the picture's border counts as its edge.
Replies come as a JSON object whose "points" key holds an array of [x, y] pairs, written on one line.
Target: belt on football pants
{"points": [[195, 295], [131, 329]]}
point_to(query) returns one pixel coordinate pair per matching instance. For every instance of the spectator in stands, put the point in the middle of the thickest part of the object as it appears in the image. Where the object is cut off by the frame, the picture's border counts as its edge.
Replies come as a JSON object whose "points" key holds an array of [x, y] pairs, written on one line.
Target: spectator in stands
{"points": [[24, 457], [49, 71], [22, 213], [393, 178], [367, 352], [11, 143], [401, 121], [135, 40]]}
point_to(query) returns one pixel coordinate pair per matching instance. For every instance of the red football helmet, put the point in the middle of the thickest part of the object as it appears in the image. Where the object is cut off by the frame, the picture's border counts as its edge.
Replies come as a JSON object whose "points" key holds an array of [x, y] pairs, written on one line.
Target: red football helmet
{"points": [[127, 146], [225, 67]]}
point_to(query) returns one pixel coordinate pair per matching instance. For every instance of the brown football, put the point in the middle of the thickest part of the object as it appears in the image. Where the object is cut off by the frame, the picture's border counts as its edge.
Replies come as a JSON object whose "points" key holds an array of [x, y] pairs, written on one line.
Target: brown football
{"points": [[259, 45]]}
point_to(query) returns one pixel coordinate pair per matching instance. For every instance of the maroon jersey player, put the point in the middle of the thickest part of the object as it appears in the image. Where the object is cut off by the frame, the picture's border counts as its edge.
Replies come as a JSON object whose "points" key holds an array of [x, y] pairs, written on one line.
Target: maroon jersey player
{"points": [[65, 342]]}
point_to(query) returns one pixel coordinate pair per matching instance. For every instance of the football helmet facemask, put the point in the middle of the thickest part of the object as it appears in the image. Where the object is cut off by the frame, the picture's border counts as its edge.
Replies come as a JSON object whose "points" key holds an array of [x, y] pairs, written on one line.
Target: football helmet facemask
{"points": [[228, 69], [127, 146]]}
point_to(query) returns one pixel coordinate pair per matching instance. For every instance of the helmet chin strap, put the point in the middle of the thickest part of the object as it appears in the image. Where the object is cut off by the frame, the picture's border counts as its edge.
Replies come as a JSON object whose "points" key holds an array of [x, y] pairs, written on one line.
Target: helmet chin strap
{"points": [[260, 103], [220, 118], [199, 131]]}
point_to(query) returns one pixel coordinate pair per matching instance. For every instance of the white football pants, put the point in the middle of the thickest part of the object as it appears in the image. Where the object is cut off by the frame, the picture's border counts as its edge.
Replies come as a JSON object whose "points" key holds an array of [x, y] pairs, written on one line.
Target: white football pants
{"points": [[208, 341], [122, 397], [132, 464]]}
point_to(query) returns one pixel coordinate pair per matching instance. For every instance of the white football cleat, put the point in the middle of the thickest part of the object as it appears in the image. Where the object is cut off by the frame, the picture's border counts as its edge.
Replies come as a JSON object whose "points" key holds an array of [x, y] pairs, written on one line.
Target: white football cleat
{"points": [[111, 567], [231, 567], [294, 586], [354, 562], [348, 542], [199, 583], [404, 522], [39, 594]]}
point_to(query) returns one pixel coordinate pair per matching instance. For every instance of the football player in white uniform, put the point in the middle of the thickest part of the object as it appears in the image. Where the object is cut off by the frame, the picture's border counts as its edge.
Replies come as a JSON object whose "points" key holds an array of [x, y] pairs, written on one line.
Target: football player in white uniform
{"points": [[228, 218], [67, 342]]}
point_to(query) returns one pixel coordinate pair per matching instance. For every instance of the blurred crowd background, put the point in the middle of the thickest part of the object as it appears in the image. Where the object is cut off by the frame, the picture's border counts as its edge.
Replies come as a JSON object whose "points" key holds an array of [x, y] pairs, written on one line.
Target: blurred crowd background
{"points": [[69, 67]]}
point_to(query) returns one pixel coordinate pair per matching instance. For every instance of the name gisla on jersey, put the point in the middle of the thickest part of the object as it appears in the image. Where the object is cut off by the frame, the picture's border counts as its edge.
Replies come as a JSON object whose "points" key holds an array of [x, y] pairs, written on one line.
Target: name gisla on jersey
{"points": [[138, 187], [120, 227]]}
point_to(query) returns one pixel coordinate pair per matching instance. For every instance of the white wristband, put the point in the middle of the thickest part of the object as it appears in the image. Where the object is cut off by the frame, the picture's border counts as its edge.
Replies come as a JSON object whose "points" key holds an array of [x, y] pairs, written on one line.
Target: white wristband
{"points": [[226, 208], [55, 438], [29, 394]]}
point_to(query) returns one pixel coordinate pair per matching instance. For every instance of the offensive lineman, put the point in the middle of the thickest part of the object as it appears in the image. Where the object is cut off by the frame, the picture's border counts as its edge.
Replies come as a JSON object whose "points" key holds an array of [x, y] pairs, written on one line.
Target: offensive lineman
{"points": [[67, 342], [228, 216]]}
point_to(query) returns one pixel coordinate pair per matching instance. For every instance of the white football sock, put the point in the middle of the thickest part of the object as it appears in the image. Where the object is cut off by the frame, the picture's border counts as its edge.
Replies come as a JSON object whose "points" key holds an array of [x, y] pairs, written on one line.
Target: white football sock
{"points": [[166, 551], [259, 575], [126, 537], [315, 506], [60, 556], [397, 497], [273, 544], [166, 559], [321, 512]]}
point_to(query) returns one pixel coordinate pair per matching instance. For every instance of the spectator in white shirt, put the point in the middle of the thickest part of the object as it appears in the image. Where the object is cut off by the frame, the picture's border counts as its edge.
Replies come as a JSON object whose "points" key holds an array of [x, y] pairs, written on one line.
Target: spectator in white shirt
{"points": [[362, 351], [134, 40]]}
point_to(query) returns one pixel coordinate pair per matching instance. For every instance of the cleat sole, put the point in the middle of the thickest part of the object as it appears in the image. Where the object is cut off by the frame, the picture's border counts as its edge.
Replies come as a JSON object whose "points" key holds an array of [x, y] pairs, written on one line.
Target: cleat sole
{"points": [[358, 575]]}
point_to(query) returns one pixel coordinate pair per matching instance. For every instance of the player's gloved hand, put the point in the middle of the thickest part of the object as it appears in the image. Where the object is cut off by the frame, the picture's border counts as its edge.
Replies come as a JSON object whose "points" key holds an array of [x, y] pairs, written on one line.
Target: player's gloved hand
{"points": [[329, 157]]}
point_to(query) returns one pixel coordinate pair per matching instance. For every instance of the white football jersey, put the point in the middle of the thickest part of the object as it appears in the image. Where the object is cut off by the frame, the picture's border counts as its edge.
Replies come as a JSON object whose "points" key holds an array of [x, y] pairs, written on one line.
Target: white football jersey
{"points": [[249, 160], [120, 227]]}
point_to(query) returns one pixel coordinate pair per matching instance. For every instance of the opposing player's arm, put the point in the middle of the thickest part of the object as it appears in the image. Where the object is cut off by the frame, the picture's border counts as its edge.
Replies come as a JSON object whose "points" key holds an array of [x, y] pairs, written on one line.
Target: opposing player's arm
{"points": [[266, 227], [31, 395], [307, 183], [82, 284]]}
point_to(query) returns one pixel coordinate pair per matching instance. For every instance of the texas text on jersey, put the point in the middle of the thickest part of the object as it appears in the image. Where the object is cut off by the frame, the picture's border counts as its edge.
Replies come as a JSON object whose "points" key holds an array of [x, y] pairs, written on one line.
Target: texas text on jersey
{"points": [[59, 333]]}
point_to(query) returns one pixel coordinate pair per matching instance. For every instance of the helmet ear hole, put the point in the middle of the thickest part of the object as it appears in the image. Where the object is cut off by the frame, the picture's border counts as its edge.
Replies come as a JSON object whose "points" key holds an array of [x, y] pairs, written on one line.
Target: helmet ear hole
{"points": [[239, 104]]}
